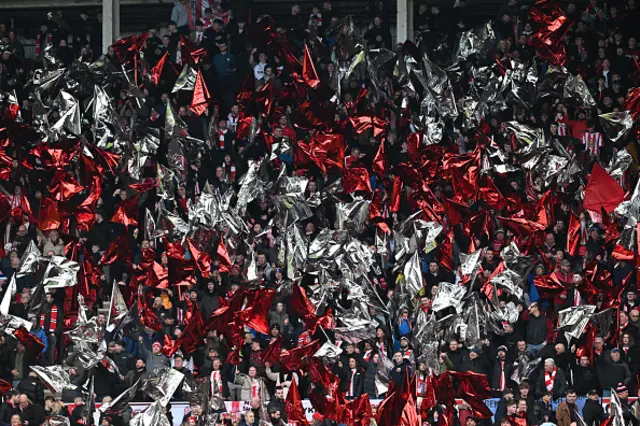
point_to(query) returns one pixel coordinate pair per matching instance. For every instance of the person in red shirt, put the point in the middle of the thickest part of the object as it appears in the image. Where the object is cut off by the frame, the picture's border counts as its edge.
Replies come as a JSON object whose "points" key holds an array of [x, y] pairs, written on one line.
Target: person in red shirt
{"points": [[287, 131]]}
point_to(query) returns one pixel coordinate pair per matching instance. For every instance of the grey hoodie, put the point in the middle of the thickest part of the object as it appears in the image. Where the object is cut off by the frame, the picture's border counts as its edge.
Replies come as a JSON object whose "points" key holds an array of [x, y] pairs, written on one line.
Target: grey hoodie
{"points": [[180, 14]]}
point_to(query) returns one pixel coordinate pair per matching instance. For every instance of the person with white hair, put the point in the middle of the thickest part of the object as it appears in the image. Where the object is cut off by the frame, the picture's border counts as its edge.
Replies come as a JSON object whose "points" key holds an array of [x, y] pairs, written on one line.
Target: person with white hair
{"points": [[552, 380]]}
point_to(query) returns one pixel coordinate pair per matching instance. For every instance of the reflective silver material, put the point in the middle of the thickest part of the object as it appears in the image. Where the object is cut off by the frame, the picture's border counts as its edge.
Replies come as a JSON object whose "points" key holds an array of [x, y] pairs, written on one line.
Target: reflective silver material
{"points": [[55, 377], [616, 124]]}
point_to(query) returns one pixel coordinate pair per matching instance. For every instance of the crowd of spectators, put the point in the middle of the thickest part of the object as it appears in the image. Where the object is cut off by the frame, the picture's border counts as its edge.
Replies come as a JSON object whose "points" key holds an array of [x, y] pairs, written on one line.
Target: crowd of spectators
{"points": [[601, 47]]}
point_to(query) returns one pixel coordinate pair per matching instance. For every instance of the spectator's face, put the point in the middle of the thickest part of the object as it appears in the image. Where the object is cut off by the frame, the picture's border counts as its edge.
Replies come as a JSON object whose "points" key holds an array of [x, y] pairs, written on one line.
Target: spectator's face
{"points": [[15, 420], [279, 393], [615, 356], [139, 364], [634, 315], [165, 43], [377, 21], [623, 318], [397, 357], [24, 401], [252, 372], [216, 364], [571, 397], [352, 363], [548, 367], [522, 406], [584, 361], [453, 345], [178, 362], [522, 346], [512, 409], [249, 417]]}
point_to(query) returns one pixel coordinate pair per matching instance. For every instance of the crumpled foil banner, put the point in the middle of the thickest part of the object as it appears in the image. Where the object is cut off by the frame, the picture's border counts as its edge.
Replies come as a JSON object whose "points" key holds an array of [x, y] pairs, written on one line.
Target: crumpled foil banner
{"points": [[55, 377], [57, 420], [572, 321], [616, 124], [162, 384], [61, 272], [449, 296], [153, 415]]}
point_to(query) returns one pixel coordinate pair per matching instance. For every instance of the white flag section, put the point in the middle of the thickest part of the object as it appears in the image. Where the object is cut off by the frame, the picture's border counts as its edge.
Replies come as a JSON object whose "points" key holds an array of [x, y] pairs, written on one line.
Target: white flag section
{"points": [[117, 308]]}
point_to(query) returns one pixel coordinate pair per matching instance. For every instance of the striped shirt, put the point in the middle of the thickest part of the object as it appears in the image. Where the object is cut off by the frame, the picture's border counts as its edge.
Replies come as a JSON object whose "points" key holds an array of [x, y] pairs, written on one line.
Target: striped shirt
{"points": [[592, 142]]}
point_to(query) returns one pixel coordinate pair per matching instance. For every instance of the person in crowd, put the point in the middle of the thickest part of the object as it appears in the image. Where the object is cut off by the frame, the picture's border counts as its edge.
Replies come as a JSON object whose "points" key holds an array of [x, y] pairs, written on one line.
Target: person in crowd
{"points": [[259, 209]]}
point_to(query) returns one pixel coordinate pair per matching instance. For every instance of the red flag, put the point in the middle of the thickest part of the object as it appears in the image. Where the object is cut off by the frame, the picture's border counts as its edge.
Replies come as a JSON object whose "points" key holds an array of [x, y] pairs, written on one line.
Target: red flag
{"points": [[84, 214], [127, 212], [573, 234], [365, 122], [234, 357], [201, 97], [109, 159], [301, 305], [224, 262], [380, 164], [319, 373], [293, 406], [325, 150], [359, 410], [632, 101], [156, 71], [132, 44], [147, 185], [409, 414], [191, 337], [548, 40], [272, 353], [309, 73], [255, 314], [49, 215], [295, 358], [356, 179], [5, 387], [119, 250], [202, 259], [492, 195], [33, 345], [396, 194], [602, 191], [148, 318]]}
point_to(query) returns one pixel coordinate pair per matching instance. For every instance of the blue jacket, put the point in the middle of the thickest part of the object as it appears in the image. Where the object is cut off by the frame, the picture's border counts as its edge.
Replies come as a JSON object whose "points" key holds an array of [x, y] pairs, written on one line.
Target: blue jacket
{"points": [[40, 334]]}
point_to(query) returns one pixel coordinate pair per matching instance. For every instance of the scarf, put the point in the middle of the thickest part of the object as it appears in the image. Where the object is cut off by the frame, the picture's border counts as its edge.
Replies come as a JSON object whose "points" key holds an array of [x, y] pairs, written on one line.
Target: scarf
{"points": [[549, 379], [38, 41], [216, 382], [351, 390], [53, 320], [221, 135], [421, 385]]}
